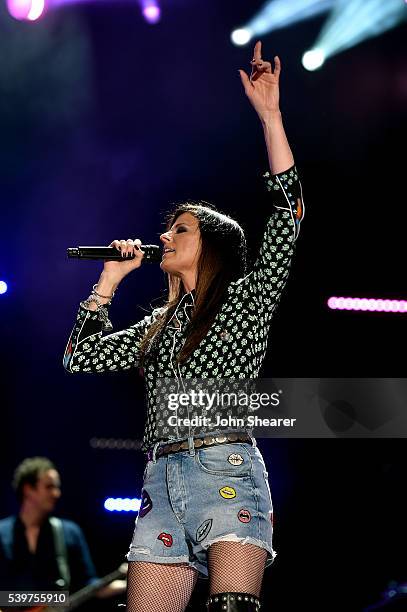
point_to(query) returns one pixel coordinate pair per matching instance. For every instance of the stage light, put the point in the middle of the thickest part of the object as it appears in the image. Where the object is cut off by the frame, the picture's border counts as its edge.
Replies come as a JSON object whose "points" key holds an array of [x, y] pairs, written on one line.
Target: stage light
{"points": [[242, 36], [30, 10], [151, 11], [120, 504], [370, 304], [313, 59], [3, 287], [279, 14], [115, 443], [37, 9], [353, 21], [349, 23]]}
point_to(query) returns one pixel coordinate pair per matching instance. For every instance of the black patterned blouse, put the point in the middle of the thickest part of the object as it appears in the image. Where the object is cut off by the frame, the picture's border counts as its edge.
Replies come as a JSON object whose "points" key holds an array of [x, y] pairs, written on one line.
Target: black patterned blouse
{"points": [[236, 343]]}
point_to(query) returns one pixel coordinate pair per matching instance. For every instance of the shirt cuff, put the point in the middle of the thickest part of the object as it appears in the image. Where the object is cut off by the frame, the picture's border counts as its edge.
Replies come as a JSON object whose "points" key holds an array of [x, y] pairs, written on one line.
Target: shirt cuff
{"points": [[96, 316]]}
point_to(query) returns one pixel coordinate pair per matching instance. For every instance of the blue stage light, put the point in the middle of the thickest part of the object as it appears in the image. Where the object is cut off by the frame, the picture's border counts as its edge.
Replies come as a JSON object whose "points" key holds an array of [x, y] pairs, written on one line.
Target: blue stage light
{"points": [[313, 59], [353, 21], [241, 36], [349, 23], [279, 14], [122, 504], [3, 287]]}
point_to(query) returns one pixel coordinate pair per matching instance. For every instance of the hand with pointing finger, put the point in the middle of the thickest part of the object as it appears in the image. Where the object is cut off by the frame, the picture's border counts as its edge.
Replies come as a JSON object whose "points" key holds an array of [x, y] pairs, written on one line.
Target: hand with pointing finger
{"points": [[262, 87]]}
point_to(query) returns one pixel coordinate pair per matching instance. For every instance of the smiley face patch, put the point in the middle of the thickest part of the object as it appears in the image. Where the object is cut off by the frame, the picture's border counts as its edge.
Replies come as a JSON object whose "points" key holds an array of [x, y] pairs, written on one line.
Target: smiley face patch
{"points": [[235, 459], [146, 504], [166, 539], [244, 516], [227, 492]]}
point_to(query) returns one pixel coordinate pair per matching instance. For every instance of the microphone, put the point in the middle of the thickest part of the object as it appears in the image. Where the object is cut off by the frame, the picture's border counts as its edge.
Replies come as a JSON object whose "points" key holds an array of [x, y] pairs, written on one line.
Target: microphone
{"points": [[152, 253]]}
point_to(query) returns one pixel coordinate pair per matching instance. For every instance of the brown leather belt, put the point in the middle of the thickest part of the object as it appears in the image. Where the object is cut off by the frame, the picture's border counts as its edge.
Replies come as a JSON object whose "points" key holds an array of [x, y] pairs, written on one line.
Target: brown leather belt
{"points": [[177, 447]]}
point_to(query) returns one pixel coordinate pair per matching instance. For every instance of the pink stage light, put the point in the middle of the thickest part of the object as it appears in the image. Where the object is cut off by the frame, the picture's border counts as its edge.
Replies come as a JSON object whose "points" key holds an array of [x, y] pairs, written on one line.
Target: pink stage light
{"points": [[30, 10], [37, 9], [371, 304], [151, 11]]}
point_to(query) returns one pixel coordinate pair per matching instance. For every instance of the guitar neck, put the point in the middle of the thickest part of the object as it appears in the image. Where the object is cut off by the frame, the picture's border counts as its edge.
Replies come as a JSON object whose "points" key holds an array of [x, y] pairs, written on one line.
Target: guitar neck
{"points": [[80, 597], [77, 599]]}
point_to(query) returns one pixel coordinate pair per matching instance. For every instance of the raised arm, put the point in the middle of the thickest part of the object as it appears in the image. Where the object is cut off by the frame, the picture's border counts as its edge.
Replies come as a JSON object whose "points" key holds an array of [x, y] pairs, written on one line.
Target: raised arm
{"points": [[269, 273], [262, 89]]}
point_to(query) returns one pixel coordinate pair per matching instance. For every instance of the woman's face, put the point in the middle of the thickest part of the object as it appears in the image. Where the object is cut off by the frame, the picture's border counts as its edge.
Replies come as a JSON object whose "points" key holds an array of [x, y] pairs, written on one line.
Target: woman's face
{"points": [[182, 247]]}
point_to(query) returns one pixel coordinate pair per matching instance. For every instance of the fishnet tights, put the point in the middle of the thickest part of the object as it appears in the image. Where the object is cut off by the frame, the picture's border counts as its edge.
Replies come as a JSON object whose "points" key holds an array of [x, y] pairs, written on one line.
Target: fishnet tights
{"points": [[157, 587], [236, 567]]}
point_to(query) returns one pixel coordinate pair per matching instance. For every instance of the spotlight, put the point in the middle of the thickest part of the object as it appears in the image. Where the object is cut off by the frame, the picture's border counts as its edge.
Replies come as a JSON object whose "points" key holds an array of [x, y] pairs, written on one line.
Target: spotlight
{"points": [[313, 59], [3, 287], [241, 36], [279, 14], [370, 304], [353, 21], [349, 22], [29, 10], [120, 504], [151, 11]]}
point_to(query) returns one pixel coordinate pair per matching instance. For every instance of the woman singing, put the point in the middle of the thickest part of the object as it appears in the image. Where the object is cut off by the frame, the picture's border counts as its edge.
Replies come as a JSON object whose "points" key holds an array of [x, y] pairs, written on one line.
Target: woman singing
{"points": [[206, 504]]}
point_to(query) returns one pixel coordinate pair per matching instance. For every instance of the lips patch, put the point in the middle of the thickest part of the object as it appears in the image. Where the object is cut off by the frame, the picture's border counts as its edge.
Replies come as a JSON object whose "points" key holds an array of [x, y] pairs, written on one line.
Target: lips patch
{"points": [[244, 516], [235, 459], [166, 538], [203, 530], [146, 504], [227, 492]]}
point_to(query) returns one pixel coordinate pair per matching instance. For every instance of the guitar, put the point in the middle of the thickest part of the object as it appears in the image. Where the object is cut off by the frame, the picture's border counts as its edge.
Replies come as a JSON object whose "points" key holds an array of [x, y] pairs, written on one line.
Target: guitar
{"points": [[80, 597]]}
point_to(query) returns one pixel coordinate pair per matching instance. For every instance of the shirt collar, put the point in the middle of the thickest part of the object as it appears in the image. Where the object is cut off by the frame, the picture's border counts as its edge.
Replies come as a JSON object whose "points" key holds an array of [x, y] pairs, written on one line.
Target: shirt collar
{"points": [[190, 297]]}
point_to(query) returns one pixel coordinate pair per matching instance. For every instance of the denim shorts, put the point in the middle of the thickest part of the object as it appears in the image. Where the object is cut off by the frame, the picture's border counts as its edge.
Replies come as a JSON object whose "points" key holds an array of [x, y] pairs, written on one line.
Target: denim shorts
{"points": [[193, 498]]}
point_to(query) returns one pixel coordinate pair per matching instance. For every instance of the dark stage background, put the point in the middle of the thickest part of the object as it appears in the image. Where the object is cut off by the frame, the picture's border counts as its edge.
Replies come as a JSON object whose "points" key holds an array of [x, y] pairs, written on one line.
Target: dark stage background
{"points": [[104, 122]]}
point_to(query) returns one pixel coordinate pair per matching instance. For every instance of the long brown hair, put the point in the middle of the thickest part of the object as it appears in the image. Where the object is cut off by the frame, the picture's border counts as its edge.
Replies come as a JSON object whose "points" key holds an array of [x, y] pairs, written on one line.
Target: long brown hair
{"points": [[222, 260]]}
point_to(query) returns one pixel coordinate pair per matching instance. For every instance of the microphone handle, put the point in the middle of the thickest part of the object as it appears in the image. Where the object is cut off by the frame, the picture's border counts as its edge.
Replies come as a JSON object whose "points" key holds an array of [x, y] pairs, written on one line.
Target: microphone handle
{"points": [[152, 253]]}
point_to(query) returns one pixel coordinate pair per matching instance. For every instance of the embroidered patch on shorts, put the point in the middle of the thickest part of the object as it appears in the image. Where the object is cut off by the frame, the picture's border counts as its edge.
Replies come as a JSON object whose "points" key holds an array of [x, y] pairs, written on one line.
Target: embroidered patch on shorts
{"points": [[227, 492], [146, 504], [235, 459], [203, 530], [166, 538], [244, 516]]}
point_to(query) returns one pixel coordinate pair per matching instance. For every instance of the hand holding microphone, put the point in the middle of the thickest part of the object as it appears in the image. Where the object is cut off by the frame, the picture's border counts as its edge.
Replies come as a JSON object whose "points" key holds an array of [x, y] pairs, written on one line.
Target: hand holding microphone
{"points": [[114, 270], [117, 270], [152, 252], [120, 252]]}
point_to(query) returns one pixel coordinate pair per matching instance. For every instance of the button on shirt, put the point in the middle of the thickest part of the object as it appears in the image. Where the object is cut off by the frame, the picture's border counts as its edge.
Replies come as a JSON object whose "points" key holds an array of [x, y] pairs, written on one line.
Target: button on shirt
{"points": [[235, 344]]}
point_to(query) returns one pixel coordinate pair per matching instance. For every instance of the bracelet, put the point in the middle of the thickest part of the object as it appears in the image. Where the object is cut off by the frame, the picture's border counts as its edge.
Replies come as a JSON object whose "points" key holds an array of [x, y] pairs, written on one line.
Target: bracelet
{"points": [[106, 297], [101, 311], [95, 298], [90, 299]]}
